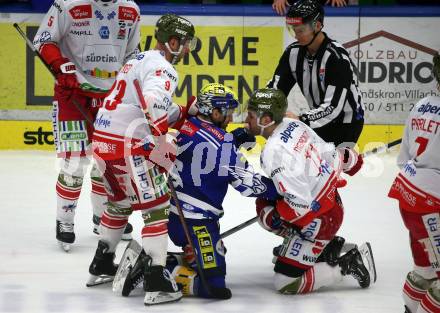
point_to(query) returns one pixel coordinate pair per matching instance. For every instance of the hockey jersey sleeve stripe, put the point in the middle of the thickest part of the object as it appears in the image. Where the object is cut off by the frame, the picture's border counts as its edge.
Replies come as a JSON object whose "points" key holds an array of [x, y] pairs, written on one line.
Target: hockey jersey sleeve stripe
{"points": [[197, 203], [327, 185], [411, 187], [209, 138], [102, 134]]}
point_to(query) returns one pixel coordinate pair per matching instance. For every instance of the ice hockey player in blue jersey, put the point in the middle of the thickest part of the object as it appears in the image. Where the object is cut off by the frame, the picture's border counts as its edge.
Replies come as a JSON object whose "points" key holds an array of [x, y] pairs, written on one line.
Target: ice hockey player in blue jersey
{"points": [[208, 161]]}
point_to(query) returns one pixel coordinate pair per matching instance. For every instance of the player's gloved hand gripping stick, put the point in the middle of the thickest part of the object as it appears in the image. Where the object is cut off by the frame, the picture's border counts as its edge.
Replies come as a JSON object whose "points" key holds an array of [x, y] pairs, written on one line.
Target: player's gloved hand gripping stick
{"points": [[85, 88]]}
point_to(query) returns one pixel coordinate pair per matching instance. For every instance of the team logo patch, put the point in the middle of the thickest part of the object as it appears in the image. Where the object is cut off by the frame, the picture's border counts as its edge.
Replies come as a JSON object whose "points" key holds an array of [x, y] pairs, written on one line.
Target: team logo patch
{"points": [[127, 13], [104, 32], [44, 37], [294, 20], [321, 74], [81, 12]]}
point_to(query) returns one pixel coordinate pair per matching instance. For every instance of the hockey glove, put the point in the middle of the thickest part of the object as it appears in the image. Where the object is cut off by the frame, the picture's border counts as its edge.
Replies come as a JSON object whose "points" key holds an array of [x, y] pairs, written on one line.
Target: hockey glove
{"points": [[65, 75], [242, 137], [164, 151], [351, 161], [268, 217], [192, 108]]}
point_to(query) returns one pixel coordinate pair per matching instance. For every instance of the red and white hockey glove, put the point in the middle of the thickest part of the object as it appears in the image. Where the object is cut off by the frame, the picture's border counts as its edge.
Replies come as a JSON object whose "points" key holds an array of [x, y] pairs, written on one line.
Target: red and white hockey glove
{"points": [[164, 151], [66, 78], [268, 217], [189, 255], [191, 109], [351, 161], [63, 69]]}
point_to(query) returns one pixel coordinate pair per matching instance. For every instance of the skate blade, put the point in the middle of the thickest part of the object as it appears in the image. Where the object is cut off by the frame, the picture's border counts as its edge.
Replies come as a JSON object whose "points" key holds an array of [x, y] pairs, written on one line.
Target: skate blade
{"points": [[158, 297], [65, 246], [127, 237], [368, 259], [99, 280], [128, 259], [347, 247]]}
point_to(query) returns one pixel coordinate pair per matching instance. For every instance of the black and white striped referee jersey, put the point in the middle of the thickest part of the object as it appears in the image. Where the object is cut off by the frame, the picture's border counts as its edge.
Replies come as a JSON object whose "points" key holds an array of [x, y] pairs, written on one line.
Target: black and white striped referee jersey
{"points": [[327, 81]]}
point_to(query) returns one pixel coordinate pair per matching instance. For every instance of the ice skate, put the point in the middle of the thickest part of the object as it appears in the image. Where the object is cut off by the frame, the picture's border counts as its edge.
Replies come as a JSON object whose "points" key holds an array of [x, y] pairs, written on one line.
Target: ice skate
{"points": [[159, 286], [126, 236], [333, 250], [102, 269], [65, 235], [359, 263], [130, 272]]}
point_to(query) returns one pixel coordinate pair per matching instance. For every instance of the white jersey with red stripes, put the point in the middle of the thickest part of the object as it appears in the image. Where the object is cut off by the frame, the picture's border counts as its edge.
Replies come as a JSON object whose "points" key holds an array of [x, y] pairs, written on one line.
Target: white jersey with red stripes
{"points": [[418, 182], [121, 120], [97, 37], [304, 168]]}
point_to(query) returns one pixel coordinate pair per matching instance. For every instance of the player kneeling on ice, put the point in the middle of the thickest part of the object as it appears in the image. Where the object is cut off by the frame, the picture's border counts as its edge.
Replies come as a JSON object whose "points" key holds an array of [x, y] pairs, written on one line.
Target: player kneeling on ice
{"points": [[416, 188], [306, 171], [207, 162], [135, 152]]}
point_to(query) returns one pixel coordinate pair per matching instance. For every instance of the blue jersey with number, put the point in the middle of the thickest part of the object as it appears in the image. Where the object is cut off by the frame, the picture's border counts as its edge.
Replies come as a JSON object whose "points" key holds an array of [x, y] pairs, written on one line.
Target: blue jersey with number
{"points": [[207, 163]]}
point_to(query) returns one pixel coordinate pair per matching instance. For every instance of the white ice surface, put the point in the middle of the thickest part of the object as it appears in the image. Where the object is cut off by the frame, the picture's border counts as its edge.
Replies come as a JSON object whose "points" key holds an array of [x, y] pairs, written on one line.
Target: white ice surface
{"points": [[36, 276]]}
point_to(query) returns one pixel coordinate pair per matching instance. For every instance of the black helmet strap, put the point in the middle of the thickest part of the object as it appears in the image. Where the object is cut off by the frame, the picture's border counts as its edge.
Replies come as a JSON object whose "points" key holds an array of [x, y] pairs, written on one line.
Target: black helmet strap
{"points": [[314, 35]]}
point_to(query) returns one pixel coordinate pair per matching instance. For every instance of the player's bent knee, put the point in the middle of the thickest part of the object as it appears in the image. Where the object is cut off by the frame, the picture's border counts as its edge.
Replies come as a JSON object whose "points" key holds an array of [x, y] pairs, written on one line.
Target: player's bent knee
{"points": [[288, 278], [287, 285]]}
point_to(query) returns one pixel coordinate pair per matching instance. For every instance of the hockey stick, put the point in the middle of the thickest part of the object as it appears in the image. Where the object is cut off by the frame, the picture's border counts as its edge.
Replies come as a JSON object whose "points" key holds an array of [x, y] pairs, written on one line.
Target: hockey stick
{"points": [[254, 219], [238, 227], [382, 148], [144, 106], [32, 47]]}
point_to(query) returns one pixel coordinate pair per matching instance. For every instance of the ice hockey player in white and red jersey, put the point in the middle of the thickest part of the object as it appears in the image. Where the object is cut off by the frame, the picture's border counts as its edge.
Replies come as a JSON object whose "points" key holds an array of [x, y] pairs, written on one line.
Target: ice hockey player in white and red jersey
{"points": [[417, 188], [208, 163], [135, 156], [306, 172], [85, 43]]}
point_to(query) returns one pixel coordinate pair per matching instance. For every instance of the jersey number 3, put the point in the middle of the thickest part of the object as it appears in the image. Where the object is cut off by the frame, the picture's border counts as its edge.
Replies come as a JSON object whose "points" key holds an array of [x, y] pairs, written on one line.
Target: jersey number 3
{"points": [[111, 104]]}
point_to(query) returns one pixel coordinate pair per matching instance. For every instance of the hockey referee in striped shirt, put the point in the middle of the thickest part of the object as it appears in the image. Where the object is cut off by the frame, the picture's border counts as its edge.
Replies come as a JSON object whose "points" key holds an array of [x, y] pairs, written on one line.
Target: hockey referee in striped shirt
{"points": [[324, 73]]}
